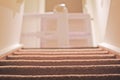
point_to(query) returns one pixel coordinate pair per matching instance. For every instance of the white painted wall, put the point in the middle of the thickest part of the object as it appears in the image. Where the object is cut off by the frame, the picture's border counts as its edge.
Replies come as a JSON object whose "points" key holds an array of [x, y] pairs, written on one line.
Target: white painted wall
{"points": [[99, 11], [11, 13], [34, 6], [106, 14], [88, 8], [113, 28], [31, 23], [42, 6], [102, 8], [30, 31]]}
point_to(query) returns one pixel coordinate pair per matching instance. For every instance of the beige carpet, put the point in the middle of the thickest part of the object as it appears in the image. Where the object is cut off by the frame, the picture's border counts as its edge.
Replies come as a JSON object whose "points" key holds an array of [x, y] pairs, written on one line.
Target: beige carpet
{"points": [[60, 64]]}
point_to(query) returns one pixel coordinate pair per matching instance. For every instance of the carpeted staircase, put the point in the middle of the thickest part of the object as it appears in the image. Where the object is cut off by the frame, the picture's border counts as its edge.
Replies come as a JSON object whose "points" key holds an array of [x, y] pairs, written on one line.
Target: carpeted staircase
{"points": [[60, 64]]}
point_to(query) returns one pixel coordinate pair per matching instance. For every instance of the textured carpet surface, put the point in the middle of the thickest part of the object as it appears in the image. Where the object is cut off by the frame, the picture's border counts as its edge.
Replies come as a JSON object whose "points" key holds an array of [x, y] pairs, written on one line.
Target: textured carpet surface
{"points": [[60, 64]]}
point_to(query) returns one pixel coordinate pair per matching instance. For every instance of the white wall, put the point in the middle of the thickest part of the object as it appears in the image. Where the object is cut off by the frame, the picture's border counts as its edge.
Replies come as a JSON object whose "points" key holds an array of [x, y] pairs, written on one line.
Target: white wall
{"points": [[34, 6], [11, 13], [42, 6], [31, 6], [31, 27], [99, 11], [102, 13], [113, 28], [31, 23]]}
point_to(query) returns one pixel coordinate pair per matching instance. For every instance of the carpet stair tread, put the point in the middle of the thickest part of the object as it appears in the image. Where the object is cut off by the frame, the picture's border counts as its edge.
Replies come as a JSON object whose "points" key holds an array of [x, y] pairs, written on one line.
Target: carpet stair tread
{"points": [[58, 70], [59, 53], [62, 77], [59, 62], [59, 50], [60, 57]]}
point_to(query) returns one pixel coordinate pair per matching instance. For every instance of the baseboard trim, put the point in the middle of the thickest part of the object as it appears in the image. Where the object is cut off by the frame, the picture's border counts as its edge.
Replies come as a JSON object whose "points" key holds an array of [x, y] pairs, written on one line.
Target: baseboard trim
{"points": [[9, 50], [111, 48]]}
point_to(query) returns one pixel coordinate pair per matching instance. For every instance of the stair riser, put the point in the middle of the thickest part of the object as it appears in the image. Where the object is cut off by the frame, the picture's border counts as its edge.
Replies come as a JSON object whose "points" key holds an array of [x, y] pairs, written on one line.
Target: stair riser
{"points": [[63, 78], [60, 64], [58, 70], [59, 50], [59, 53], [38, 63], [59, 58]]}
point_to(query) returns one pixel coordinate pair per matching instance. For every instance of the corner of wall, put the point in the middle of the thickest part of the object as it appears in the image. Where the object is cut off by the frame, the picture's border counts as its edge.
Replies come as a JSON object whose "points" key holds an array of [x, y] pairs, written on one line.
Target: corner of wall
{"points": [[10, 48], [110, 46]]}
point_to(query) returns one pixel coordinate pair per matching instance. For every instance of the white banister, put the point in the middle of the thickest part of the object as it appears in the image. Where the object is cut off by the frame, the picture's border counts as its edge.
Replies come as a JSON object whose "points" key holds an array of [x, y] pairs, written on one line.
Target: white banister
{"points": [[44, 32]]}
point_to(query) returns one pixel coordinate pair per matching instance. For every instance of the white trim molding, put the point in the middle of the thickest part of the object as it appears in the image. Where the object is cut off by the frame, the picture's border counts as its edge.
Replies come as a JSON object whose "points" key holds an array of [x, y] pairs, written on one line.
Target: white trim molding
{"points": [[10, 48], [109, 46]]}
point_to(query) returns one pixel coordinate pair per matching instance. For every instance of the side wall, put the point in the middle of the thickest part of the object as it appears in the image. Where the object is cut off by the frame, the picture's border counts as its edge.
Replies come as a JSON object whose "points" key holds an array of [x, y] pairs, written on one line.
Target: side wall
{"points": [[99, 11], [113, 28], [11, 13]]}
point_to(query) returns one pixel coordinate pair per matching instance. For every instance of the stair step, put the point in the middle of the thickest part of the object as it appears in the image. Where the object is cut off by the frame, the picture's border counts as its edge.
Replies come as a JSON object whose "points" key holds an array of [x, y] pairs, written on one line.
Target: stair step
{"points": [[59, 57], [62, 77], [59, 62], [60, 50], [59, 70], [60, 53]]}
